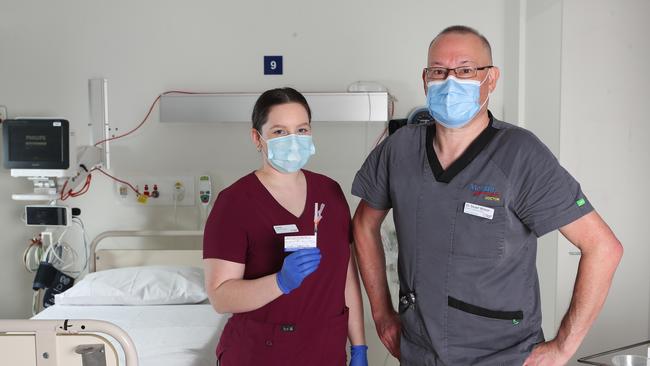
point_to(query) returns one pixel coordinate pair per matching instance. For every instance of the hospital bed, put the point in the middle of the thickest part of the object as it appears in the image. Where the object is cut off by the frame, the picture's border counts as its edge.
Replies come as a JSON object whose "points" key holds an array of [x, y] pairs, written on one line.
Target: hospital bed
{"points": [[160, 333]]}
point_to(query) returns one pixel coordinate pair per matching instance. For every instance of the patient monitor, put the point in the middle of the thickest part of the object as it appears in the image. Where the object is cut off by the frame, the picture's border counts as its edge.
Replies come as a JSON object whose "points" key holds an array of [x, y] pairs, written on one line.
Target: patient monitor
{"points": [[36, 147], [44, 150]]}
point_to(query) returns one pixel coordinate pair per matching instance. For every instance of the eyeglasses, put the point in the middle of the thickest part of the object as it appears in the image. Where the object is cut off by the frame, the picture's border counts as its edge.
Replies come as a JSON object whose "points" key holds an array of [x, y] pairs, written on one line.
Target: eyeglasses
{"points": [[462, 72]]}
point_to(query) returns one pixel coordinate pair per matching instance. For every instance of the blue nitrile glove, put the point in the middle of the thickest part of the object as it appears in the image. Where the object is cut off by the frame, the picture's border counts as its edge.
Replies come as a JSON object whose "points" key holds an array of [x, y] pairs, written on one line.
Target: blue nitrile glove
{"points": [[296, 267], [359, 355]]}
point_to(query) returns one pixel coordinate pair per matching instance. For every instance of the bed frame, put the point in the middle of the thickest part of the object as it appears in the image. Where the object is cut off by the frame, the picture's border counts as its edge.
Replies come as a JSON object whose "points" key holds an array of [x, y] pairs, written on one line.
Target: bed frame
{"points": [[103, 259], [66, 342]]}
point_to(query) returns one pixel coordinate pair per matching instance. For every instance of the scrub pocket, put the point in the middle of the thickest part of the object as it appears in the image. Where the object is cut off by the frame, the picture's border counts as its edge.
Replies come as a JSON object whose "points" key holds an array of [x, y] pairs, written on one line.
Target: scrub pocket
{"points": [[474, 332], [413, 331], [479, 237]]}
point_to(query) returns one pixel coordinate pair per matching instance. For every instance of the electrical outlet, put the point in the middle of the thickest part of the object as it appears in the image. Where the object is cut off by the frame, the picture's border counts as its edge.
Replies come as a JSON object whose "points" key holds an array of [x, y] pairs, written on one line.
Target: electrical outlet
{"points": [[3, 113], [123, 191]]}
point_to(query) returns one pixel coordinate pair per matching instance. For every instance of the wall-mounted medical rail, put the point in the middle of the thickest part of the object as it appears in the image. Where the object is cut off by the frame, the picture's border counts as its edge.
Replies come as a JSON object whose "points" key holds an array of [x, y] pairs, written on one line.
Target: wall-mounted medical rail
{"points": [[46, 331], [238, 107]]}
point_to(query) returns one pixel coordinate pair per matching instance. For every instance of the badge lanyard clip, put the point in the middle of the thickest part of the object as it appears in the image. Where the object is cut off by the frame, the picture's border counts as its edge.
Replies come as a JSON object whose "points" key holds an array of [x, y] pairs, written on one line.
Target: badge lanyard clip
{"points": [[318, 215]]}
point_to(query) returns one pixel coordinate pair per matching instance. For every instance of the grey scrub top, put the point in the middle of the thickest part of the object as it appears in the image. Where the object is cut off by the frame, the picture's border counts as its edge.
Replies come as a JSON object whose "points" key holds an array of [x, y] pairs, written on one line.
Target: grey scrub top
{"points": [[468, 239]]}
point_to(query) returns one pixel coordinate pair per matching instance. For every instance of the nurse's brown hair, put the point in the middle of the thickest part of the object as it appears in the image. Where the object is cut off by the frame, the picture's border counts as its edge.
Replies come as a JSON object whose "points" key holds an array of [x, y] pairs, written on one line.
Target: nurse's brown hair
{"points": [[273, 97]]}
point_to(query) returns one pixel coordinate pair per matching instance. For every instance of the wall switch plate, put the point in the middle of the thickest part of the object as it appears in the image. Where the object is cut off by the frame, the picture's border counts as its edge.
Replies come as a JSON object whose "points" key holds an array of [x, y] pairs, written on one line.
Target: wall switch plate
{"points": [[3, 113]]}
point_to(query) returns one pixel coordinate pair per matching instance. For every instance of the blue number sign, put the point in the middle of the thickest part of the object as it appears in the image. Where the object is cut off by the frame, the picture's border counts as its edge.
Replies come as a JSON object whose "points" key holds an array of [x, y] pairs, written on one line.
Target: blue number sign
{"points": [[272, 65]]}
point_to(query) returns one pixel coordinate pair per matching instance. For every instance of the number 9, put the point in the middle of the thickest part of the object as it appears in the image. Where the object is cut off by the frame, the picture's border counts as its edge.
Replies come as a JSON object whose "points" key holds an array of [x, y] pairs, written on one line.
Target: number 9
{"points": [[274, 65]]}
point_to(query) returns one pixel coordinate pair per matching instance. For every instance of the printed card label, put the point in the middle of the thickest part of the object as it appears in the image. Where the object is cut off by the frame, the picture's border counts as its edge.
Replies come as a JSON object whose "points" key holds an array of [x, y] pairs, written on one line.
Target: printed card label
{"points": [[478, 210], [293, 243], [285, 229]]}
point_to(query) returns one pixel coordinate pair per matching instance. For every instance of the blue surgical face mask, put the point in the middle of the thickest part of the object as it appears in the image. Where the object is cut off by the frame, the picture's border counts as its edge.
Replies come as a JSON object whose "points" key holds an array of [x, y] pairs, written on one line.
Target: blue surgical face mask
{"points": [[454, 102], [288, 154]]}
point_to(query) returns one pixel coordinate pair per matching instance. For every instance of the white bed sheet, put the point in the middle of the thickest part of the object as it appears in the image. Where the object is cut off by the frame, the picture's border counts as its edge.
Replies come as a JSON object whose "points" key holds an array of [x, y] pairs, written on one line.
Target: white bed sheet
{"points": [[174, 335]]}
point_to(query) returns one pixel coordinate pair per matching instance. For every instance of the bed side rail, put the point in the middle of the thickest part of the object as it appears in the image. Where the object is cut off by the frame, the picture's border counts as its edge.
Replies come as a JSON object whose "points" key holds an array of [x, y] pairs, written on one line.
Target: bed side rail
{"points": [[46, 331]]}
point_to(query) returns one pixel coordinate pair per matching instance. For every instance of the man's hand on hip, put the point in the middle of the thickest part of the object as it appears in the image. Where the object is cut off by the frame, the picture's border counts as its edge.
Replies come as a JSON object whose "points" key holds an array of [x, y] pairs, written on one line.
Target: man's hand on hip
{"points": [[546, 354]]}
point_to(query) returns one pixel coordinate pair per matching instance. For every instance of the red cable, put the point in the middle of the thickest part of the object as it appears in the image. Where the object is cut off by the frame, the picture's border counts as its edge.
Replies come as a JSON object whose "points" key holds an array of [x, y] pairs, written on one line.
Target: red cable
{"points": [[70, 193], [65, 195], [84, 188], [149, 113], [118, 180]]}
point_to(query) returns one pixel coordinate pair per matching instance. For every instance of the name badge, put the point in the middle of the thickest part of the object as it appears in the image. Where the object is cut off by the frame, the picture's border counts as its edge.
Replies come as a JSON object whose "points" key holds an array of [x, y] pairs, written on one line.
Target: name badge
{"points": [[285, 229], [478, 210], [293, 243]]}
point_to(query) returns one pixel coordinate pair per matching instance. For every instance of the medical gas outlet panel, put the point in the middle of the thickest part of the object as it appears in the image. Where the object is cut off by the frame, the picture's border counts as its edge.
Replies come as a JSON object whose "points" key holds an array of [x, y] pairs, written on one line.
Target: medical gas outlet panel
{"points": [[157, 191]]}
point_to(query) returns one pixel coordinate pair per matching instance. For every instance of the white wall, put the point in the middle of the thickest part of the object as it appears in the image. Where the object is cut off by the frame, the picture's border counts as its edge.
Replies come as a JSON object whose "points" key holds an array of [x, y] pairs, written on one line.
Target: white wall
{"points": [[585, 91], [542, 111], [50, 50], [603, 141]]}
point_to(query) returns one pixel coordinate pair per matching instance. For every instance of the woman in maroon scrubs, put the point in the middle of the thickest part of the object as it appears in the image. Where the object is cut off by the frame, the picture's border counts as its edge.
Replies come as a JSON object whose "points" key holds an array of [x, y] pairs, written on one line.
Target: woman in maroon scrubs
{"points": [[294, 295]]}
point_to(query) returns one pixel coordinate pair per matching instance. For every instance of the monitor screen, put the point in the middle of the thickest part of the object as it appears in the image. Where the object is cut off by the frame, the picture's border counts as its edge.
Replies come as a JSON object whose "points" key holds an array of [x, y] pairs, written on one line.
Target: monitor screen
{"points": [[46, 215], [36, 144]]}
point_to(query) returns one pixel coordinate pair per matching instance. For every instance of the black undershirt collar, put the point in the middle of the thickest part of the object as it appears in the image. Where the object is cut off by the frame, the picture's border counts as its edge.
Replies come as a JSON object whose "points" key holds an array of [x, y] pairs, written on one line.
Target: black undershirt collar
{"points": [[472, 151]]}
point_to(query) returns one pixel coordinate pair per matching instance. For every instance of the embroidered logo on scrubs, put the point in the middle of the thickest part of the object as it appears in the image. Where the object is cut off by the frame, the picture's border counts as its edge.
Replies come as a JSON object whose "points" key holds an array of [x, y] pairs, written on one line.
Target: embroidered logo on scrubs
{"points": [[488, 192]]}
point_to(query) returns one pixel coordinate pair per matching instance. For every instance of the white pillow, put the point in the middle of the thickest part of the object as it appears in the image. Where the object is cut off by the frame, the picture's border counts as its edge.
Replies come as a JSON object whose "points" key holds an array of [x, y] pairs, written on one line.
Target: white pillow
{"points": [[149, 285]]}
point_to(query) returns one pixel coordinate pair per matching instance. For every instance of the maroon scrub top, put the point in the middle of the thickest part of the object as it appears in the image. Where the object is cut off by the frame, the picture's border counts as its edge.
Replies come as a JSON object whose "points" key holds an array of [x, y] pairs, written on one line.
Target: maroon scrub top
{"points": [[309, 325]]}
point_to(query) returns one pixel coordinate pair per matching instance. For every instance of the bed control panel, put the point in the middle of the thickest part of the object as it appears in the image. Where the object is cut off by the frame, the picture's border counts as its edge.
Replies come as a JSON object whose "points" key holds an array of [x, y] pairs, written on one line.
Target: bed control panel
{"points": [[205, 190]]}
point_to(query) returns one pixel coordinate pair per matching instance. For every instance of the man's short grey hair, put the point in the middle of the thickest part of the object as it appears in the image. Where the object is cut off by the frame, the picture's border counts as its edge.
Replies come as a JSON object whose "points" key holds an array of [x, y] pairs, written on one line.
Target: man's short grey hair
{"points": [[463, 29]]}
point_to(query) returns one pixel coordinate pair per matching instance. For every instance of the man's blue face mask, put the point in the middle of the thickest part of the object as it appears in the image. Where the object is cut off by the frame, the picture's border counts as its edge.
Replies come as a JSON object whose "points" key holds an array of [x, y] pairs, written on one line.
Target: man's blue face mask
{"points": [[288, 154], [454, 102]]}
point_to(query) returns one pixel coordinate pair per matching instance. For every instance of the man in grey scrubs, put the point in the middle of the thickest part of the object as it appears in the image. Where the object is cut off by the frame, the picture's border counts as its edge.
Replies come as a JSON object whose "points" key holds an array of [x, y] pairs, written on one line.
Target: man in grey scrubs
{"points": [[471, 195]]}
